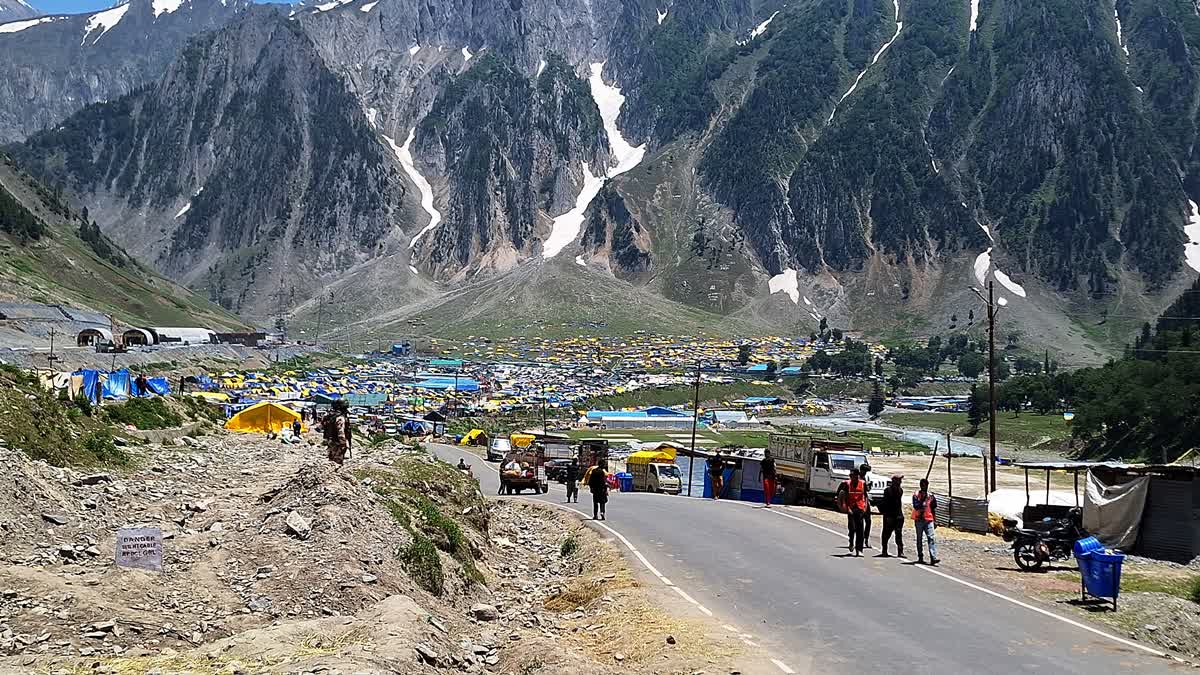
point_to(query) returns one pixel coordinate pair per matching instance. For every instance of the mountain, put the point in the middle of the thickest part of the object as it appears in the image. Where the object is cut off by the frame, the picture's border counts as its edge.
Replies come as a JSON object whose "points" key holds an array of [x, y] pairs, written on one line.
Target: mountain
{"points": [[53, 66], [762, 164], [16, 10], [50, 253]]}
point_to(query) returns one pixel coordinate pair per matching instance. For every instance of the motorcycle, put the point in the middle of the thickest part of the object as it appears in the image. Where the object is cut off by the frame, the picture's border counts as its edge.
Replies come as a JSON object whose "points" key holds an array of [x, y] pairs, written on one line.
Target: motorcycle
{"points": [[1051, 539]]}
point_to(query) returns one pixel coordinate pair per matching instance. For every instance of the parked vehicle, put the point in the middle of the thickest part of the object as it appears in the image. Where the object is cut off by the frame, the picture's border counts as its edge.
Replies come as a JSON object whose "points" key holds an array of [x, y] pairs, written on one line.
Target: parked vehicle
{"points": [[1051, 539], [655, 477], [499, 449], [812, 469], [556, 469], [592, 451]]}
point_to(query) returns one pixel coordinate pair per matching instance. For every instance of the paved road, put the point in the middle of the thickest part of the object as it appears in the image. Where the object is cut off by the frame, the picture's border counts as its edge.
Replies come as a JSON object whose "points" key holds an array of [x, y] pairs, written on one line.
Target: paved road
{"points": [[782, 581]]}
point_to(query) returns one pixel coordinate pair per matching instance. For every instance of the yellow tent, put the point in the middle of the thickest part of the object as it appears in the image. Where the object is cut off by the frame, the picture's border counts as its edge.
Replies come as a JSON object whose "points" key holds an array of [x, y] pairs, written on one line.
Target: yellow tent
{"points": [[263, 417], [470, 436]]}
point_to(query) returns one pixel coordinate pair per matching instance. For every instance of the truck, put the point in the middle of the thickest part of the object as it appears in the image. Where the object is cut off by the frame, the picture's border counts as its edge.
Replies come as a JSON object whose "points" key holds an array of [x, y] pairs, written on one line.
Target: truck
{"points": [[654, 471], [529, 472], [811, 469], [592, 451]]}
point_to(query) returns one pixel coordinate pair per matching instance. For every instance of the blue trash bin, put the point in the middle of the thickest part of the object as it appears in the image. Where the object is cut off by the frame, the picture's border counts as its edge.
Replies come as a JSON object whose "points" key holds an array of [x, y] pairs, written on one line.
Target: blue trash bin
{"points": [[625, 480], [1099, 570]]}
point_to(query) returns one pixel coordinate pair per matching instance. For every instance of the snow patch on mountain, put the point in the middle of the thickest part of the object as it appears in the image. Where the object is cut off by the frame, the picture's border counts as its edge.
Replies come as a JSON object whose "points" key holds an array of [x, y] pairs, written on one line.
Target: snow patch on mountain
{"points": [[18, 26], [103, 22], [983, 262], [787, 282], [1012, 286], [466, 54], [161, 7], [369, 6], [662, 16], [566, 227], [758, 30], [1191, 250], [874, 60], [332, 5], [974, 15], [1120, 32], [186, 207], [404, 155], [579, 261], [412, 51], [609, 100], [372, 113], [413, 270]]}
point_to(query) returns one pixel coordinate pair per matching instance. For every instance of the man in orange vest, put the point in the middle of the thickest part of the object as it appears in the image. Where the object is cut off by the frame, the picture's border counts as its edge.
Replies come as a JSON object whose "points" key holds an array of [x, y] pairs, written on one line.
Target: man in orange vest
{"points": [[924, 514], [856, 509]]}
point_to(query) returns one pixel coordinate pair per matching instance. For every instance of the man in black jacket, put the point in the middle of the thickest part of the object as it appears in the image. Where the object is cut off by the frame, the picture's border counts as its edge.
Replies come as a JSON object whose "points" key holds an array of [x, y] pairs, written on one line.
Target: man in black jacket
{"points": [[893, 516], [571, 478], [768, 478]]}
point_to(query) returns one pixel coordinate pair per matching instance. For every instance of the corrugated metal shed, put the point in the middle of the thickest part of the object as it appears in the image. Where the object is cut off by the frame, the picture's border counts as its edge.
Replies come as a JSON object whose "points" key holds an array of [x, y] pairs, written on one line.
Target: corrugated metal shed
{"points": [[1169, 522]]}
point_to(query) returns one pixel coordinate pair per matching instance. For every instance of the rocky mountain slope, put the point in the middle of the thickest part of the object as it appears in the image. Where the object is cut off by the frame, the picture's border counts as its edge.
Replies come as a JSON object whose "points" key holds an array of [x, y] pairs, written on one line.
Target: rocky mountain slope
{"points": [[51, 253], [53, 66], [867, 160], [15, 10]]}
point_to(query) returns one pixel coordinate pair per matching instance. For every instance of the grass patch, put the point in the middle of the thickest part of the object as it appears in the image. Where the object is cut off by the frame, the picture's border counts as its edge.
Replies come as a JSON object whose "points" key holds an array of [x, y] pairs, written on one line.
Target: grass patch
{"points": [[1026, 430], [710, 394], [46, 428], [1186, 586], [569, 546], [424, 565], [579, 593], [143, 413], [199, 409]]}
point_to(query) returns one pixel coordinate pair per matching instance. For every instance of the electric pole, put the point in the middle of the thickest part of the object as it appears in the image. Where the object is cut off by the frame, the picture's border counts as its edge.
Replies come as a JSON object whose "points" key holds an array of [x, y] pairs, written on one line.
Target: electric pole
{"points": [[695, 419]]}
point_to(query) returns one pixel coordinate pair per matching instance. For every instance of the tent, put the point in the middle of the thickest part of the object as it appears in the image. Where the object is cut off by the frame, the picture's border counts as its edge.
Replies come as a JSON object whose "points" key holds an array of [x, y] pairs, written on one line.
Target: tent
{"points": [[116, 386], [474, 437], [262, 417], [653, 457]]}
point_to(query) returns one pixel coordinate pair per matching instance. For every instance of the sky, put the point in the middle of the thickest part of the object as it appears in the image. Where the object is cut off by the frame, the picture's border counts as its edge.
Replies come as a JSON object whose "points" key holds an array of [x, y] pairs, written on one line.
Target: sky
{"points": [[73, 6]]}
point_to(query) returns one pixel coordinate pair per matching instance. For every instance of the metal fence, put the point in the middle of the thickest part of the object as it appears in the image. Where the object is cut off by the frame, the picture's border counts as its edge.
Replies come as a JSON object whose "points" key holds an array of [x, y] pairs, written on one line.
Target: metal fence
{"points": [[963, 513]]}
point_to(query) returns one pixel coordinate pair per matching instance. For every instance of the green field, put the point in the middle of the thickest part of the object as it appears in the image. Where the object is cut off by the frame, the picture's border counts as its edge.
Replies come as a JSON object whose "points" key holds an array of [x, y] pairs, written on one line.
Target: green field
{"points": [[710, 394], [1028, 430]]}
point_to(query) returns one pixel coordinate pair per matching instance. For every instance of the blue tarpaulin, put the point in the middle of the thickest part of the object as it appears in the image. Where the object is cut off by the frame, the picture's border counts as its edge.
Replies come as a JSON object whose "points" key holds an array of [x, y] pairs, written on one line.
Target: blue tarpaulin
{"points": [[159, 386], [117, 385], [91, 384]]}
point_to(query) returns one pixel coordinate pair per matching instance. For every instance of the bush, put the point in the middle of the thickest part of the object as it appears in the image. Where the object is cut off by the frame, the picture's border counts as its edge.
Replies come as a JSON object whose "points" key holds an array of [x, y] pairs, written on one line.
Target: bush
{"points": [[143, 413], [99, 448], [1194, 590], [423, 564], [569, 546]]}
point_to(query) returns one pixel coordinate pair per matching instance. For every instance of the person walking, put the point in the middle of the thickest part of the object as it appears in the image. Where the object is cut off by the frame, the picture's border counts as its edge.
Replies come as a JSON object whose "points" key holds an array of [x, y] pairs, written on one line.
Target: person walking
{"points": [[864, 472], [768, 478], [924, 515], [856, 506], [892, 510], [337, 432], [597, 481], [571, 478], [297, 429], [716, 474]]}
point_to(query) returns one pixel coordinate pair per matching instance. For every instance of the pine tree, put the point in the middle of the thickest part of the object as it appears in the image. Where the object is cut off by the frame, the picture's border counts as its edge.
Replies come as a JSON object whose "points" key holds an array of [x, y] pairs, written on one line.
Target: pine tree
{"points": [[975, 413], [876, 405]]}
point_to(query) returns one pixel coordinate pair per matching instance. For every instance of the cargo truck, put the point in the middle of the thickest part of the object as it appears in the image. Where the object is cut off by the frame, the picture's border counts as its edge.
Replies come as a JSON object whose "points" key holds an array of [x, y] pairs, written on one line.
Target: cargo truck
{"points": [[654, 471], [811, 469]]}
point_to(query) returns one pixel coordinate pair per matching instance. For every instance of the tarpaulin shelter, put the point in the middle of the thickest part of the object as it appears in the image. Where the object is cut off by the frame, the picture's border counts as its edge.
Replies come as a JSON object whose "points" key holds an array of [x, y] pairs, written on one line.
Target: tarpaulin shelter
{"points": [[666, 456], [116, 386], [474, 437], [262, 418], [91, 384]]}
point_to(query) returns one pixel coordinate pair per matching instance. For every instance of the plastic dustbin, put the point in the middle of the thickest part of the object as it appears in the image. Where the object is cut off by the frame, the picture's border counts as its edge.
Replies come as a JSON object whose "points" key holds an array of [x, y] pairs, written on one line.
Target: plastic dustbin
{"points": [[625, 480], [1099, 570]]}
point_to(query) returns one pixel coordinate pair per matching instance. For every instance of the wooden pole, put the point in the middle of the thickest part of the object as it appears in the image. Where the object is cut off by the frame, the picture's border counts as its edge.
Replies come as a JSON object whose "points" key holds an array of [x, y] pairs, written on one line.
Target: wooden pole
{"points": [[931, 461], [949, 479], [695, 419], [991, 308]]}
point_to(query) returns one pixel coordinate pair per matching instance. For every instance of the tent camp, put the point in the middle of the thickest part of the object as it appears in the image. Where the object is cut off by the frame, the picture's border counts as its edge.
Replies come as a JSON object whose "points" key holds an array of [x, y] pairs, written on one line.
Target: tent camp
{"points": [[474, 437], [263, 417]]}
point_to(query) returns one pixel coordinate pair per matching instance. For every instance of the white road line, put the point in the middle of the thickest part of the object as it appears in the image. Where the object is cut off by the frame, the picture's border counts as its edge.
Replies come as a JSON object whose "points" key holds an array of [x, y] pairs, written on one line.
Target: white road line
{"points": [[1033, 608], [782, 666]]}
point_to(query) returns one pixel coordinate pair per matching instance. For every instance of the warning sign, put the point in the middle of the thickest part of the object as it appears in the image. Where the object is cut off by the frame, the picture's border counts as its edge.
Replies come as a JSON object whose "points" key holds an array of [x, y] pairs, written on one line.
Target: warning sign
{"points": [[140, 547]]}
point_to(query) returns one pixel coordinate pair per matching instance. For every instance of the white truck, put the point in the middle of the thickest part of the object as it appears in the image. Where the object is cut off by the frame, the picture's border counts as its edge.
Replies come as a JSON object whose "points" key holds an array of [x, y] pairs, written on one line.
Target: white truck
{"points": [[654, 471], [811, 469]]}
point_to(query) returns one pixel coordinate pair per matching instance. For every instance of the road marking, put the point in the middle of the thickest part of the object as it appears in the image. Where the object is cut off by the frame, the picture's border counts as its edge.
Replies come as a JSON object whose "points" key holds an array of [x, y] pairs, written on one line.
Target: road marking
{"points": [[782, 666], [1039, 610]]}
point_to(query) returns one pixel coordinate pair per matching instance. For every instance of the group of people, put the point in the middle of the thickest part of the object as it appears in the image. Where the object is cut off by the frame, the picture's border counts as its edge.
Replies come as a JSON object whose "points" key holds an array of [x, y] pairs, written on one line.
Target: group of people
{"points": [[854, 498]]}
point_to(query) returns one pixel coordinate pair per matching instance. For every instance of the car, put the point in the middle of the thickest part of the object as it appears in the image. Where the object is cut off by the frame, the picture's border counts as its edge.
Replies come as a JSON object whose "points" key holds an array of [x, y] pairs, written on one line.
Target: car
{"points": [[556, 469], [499, 448]]}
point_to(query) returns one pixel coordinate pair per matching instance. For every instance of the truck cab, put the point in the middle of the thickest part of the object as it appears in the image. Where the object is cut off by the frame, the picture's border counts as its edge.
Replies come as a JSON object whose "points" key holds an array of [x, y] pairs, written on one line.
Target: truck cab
{"points": [[831, 468], [656, 477]]}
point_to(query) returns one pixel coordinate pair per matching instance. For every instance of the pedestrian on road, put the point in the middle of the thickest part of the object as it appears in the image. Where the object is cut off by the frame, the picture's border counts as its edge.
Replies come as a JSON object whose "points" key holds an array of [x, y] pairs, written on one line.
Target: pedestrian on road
{"points": [[865, 472], [297, 429], [924, 514], [597, 481], [892, 510], [716, 474], [768, 478], [855, 496], [571, 478]]}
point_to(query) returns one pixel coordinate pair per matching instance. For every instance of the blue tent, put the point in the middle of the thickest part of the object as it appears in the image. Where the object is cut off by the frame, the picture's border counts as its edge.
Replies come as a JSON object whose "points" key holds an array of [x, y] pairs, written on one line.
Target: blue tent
{"points": [[159, 385], [91, 384], [117, 385]]}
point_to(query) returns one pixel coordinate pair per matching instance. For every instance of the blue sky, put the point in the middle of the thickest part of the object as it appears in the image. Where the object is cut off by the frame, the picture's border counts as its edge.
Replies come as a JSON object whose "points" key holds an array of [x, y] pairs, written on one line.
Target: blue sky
{"points": [[73, 6]]}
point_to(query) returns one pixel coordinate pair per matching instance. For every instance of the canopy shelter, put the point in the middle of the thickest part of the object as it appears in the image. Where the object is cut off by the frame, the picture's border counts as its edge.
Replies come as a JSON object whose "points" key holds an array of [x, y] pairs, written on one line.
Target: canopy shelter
{"points": [[474, 437], [262, 418], [666, 456]]}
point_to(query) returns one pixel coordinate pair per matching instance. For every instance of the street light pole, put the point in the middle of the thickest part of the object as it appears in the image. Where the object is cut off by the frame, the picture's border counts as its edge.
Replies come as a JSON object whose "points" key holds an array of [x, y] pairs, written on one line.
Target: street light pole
{"points": [[695, 419], [989, 468]]}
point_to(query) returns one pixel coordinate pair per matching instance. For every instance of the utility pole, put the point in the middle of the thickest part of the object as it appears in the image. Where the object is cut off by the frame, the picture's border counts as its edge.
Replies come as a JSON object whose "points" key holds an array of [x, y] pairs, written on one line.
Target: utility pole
{"points": [[695, 419], [544, 428], [992, 309]]}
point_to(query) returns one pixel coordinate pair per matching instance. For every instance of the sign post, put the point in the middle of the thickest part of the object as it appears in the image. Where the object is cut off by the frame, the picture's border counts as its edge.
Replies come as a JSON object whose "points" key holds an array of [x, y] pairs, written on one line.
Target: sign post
{"points": [[140, 548]]}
